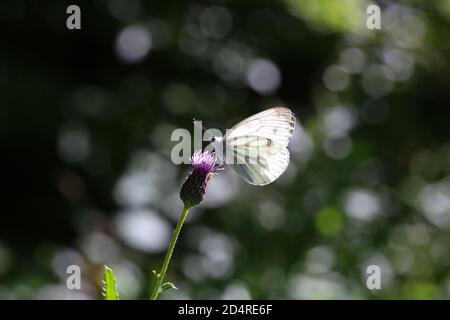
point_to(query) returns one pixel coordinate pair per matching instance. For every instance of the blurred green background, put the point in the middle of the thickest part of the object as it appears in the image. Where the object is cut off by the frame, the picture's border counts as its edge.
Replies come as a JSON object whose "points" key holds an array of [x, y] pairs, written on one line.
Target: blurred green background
{"points": [[85, 124]]}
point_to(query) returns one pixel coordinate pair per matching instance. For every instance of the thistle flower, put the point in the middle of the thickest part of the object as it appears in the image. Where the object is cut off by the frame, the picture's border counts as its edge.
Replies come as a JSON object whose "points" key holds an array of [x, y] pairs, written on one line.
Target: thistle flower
{"points": [[194, 188]]}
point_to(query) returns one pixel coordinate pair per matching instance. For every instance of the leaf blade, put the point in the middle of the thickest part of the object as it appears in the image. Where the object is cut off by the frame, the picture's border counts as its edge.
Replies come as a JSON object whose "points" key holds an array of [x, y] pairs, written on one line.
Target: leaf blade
{"points": [[166, 286], [109, 284]]}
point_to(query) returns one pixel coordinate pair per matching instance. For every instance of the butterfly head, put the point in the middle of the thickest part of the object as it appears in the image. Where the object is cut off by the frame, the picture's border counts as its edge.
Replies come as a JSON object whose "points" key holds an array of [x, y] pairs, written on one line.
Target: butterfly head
{"points": [[217, 144], [216, 139]]}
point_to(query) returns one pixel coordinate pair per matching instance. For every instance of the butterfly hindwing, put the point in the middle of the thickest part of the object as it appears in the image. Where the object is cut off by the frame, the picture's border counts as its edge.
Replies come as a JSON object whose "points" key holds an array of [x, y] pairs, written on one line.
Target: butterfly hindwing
{"points": [[263, 166]]}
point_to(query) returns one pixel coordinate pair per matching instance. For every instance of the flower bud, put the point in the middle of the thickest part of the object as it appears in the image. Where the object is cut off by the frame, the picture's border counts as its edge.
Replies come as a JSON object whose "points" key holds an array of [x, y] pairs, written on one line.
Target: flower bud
{"points": [[194, 188]]}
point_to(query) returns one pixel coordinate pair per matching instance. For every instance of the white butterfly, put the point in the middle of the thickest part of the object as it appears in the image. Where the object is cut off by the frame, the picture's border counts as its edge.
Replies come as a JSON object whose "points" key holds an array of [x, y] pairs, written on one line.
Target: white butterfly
{"points": [[258, 145]]}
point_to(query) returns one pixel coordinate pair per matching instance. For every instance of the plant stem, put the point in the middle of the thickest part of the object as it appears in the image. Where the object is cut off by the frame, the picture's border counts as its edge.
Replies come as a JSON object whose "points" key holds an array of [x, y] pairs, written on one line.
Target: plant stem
{"points": [[173, 241]]}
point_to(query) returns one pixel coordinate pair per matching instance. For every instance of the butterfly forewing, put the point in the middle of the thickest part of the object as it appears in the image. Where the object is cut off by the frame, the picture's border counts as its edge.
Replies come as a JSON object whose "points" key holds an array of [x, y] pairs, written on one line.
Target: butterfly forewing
{"points": [[276, 124]]}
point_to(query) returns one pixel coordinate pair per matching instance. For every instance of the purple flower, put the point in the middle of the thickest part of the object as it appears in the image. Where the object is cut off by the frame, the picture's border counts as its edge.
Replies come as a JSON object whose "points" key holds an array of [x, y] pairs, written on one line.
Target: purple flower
{"points": [[193, 189]]}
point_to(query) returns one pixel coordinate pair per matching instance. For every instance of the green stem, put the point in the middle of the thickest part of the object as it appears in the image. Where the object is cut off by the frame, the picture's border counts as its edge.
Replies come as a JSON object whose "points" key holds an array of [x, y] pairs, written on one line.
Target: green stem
{"points": [[173, 241]]}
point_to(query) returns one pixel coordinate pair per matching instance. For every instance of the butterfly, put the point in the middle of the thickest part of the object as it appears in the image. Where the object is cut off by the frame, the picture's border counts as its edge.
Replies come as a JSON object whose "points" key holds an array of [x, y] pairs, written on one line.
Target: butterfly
{"points": [[256, 147]]}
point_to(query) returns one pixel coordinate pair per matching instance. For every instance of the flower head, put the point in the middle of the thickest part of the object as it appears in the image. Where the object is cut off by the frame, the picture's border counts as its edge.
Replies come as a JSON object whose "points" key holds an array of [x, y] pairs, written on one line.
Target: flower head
{"points": [[194, 188]]}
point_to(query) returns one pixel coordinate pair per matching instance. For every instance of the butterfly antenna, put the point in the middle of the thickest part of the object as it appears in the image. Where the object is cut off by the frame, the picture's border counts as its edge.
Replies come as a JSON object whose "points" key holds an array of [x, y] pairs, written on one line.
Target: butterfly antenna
{"points": [[201, 126], [198, 124]]}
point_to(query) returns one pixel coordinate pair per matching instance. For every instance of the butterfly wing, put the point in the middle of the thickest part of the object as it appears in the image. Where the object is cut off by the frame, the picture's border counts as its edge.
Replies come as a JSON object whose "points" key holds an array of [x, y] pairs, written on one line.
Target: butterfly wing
{"points": [[257, 146]]}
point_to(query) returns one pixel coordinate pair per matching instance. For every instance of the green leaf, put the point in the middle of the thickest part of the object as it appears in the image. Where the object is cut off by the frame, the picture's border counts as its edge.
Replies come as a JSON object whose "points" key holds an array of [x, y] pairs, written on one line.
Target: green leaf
{"points": [[167, 285], [109, 284]]}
